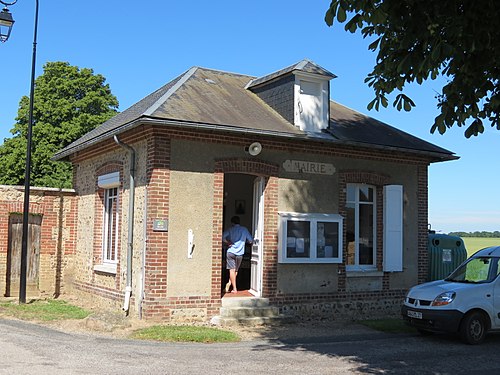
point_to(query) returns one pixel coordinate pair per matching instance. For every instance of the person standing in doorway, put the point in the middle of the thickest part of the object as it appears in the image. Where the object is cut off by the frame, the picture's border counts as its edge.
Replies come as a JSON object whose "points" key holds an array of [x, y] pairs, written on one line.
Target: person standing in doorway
{"points": [[235, 238]]}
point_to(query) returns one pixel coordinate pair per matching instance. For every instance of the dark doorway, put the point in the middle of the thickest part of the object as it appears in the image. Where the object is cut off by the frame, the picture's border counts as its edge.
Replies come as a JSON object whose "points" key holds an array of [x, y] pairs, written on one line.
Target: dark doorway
{"points": [[238, 200]]}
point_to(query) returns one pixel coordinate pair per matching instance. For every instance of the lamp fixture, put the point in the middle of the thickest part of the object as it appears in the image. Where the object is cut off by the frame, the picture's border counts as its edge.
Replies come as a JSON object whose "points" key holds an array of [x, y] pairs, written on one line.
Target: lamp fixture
{"points": [[254, 149], [6, 23]]}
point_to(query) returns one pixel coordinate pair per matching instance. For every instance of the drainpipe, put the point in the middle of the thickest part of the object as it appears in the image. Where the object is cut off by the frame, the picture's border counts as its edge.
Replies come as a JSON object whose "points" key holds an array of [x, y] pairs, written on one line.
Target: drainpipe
{"points": [[128, 288], [143, 265]]}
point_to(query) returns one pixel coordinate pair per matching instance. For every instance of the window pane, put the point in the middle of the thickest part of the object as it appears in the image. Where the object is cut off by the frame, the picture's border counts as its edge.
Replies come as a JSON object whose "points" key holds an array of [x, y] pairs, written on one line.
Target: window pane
{"points": [[350, 234], [365, 194], [298, 239], [351, 193], [327, 240], [310, 88], [366, 234], [110, 224]]}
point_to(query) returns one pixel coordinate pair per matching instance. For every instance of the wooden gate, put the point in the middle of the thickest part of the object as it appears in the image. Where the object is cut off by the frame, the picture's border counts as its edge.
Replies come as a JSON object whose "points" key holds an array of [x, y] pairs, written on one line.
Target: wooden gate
{"points": [[14, 254]]}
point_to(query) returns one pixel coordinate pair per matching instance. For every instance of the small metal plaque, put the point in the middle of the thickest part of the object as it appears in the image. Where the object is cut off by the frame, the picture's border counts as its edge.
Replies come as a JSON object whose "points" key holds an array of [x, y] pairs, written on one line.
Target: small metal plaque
{"points": [[160, 225]]}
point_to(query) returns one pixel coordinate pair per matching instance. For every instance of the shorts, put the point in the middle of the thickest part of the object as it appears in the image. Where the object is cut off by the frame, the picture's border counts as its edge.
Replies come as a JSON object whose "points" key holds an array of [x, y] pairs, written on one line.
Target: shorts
{"points": [[233, 261]]}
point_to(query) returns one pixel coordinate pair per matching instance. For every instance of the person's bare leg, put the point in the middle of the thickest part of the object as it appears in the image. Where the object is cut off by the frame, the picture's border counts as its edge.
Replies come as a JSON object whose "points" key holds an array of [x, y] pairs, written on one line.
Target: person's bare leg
{"points": [[232, 278]]}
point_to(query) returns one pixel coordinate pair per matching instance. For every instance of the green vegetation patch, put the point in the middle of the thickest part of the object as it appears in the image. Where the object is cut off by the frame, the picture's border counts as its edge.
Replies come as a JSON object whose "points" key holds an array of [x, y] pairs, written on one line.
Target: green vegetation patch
{"points": [[473, 244], [44, 310], [185, 334], [388, 325]]}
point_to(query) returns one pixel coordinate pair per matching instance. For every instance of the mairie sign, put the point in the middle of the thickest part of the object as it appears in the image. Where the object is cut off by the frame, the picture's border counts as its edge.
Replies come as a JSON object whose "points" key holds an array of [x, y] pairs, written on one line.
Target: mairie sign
{"points": [[299, 166]]}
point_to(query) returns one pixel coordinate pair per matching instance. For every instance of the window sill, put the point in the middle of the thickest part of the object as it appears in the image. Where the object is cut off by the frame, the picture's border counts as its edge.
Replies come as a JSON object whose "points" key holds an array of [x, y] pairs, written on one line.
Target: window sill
{"points": [[364, 273], [109, 269], [310, 261]]}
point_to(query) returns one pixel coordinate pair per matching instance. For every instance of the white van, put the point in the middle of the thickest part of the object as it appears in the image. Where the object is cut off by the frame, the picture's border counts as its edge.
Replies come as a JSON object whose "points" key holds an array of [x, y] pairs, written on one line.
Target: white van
{"points": [[466, 302]]}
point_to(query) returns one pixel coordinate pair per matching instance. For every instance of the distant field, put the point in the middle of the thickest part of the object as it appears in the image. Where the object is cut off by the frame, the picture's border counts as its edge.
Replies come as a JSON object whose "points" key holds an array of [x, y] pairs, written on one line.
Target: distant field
{"points": [[473, 244]]}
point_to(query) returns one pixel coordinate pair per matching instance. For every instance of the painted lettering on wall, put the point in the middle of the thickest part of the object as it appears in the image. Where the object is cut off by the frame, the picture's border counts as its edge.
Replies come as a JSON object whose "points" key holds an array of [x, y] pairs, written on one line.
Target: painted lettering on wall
{"points": [[300, 166]]}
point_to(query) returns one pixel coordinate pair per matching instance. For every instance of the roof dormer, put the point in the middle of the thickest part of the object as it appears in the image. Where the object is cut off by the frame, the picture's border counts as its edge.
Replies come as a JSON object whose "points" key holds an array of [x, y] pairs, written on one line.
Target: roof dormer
{"points": [[300, 93]]}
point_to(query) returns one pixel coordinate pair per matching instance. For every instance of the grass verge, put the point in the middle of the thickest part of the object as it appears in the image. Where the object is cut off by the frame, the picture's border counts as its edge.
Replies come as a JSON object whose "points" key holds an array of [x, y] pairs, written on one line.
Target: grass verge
{"points": [[388, 325], [52, 310], [42, 310], [473, 244], [185, 334]]}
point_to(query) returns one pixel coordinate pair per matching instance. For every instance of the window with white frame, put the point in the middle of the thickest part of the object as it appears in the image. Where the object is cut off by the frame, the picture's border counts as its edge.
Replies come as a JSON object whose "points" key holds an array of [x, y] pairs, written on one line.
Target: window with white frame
{"points": [[110, 184], [110, 225], [361, 227], [310, 238]]}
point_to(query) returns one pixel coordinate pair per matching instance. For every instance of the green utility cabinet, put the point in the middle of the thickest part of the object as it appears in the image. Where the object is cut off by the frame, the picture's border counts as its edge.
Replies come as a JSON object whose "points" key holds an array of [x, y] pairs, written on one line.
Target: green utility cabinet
{"points": [[445, 253]]}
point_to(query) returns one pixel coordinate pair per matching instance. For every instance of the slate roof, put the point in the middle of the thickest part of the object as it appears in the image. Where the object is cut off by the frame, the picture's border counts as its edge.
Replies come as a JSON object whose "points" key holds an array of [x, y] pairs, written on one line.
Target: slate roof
{"points": [[305, 66], [350, 126], [204, 98]]}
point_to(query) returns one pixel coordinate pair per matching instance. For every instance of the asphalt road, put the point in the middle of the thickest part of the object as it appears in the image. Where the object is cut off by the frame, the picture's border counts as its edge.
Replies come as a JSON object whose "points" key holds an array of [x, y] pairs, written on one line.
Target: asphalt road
{"points": [[28, 348]]}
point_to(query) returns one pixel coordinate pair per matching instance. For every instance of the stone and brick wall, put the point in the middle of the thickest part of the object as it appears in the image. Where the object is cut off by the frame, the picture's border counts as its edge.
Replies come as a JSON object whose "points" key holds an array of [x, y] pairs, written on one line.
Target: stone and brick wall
{"points": [[57, 209]]}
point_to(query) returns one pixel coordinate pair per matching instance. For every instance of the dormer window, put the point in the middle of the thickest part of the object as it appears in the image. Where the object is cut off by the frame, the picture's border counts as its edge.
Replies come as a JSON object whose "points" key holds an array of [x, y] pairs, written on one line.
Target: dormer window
{"points": [[300, 93], [311, 103]]}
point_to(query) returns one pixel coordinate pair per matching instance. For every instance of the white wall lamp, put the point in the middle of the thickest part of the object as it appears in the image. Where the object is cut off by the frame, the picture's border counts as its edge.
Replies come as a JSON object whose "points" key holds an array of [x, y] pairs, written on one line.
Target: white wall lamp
{"points": [[254, 149]]}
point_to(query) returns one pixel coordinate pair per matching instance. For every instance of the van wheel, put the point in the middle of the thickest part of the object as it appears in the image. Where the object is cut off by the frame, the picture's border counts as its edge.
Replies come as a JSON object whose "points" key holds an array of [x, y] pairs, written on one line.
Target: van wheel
{"points": [[473, 328]]}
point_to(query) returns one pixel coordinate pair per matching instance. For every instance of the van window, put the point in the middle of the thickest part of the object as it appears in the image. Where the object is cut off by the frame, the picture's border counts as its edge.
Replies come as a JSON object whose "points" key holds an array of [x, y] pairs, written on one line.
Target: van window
{"points": [[476, 270]]}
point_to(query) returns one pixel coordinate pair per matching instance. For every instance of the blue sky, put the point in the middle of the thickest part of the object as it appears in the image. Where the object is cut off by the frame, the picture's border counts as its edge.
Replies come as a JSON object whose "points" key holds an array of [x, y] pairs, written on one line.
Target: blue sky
{"points": [[139, 46]]}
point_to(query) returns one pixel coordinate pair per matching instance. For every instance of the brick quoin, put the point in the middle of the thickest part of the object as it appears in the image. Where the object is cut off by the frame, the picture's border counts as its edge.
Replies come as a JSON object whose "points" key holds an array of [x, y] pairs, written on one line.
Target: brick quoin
{"points": [[217, 225], [423, 222], [158, 201], [270, 256]]}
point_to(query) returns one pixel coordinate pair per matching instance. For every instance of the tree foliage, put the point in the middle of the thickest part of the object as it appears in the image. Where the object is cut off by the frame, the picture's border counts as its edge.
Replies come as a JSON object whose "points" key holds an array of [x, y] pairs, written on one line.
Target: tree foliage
{"points": [[68, 102], [417, 40], [483, 234]]}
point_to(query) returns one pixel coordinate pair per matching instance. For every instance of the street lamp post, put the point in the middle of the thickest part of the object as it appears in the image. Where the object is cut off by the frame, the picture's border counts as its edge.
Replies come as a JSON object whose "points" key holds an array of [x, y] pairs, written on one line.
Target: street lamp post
{"points": [[27, 178]]}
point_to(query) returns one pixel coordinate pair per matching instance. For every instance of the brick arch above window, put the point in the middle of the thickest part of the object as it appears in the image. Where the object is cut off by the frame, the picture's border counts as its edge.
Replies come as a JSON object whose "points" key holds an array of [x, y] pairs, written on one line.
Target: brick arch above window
{"points": [[361, 177], [249, 166], [109, 167]]}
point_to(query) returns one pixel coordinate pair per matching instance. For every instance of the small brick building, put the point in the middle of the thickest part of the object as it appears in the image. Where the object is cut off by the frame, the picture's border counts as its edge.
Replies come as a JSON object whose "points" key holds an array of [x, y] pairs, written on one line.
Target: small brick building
{"points": [[336, 200]]}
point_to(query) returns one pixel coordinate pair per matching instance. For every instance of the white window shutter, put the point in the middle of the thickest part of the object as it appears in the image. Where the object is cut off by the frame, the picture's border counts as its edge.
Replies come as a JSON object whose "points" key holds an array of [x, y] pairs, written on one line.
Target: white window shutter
{"points": [[393, 228], [108, 181]]}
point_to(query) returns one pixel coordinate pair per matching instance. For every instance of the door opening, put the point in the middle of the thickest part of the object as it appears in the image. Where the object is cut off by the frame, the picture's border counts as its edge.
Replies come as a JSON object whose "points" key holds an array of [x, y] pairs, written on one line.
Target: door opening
{"points": [[239, 200]]}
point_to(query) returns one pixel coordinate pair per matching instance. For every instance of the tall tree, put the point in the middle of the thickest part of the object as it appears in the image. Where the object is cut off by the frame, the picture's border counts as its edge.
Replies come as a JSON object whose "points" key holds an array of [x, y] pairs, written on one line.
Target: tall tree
{"points": [[68, 102], [417, 40]]}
